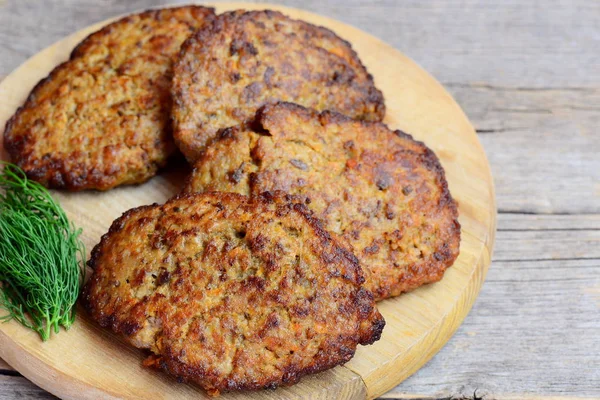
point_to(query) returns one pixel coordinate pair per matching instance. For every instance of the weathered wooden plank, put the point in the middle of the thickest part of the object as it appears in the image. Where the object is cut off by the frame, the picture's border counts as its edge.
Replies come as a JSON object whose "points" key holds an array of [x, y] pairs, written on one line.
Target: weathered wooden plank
{"points": [[533, 330], [531, 317], [536, 245], [571, 222], [17, 387], [542, 145], [545, 44]]}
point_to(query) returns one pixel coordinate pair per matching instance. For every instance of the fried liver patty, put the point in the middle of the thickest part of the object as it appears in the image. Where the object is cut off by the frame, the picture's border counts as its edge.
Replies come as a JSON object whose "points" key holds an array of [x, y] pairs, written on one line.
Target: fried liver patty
{"points": [[244, 60], [231, 292], [101, 119], [382, 191]]}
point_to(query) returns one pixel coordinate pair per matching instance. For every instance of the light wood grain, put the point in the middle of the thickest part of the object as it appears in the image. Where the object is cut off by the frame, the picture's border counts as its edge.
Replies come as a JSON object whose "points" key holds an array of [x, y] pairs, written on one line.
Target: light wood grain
{"points": [[87, 362]]}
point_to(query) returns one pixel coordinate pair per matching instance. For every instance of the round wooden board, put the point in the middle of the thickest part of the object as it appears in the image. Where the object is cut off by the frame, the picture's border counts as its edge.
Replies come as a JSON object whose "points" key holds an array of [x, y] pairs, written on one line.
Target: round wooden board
{"points": [[87, 362]]}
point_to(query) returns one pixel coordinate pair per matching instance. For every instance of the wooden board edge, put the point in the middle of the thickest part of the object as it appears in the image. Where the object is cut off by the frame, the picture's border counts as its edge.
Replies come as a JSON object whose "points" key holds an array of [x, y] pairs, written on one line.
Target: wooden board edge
{"points": [[45, 375], [446, 327], [347, 386], [4, 366]]}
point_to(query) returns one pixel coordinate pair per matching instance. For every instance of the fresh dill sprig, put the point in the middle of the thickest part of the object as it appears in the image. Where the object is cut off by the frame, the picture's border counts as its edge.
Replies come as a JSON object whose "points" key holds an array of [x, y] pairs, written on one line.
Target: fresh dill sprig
{"points": [[41, 256]]}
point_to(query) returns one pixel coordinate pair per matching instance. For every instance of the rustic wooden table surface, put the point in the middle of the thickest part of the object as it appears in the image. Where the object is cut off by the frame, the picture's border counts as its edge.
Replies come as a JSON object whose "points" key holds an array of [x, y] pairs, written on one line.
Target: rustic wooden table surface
{"points": [[527, 73]]}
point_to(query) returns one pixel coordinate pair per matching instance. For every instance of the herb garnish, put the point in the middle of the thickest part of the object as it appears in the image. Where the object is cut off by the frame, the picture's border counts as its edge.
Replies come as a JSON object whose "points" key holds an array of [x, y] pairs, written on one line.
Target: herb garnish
{"points": [[41, 256]]}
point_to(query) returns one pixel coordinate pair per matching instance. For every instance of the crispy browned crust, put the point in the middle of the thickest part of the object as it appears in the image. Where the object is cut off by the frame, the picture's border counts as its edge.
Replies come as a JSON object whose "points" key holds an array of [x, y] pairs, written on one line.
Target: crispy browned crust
{"points": [[102, 118], [244, 60], [231, 292], [383, 192]]}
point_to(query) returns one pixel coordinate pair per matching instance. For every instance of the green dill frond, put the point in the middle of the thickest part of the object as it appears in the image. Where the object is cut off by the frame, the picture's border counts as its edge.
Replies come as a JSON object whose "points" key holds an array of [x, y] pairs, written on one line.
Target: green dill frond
{"points": [[41, 256]]}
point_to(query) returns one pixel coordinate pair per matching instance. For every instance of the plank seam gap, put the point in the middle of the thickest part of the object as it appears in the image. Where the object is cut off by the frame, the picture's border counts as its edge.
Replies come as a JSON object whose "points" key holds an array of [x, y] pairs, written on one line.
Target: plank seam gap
{"points": [[482, 131], [548, 230], [520, 88], [9, 372], [524, 212], [547, 259]]}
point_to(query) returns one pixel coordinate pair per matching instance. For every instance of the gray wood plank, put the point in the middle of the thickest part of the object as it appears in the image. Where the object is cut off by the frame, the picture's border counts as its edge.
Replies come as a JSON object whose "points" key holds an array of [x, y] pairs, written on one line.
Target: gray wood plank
{"points": [[531, 222], [545, 245], [550, 43], [543, 145], [533, 330], [17, 387]]}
